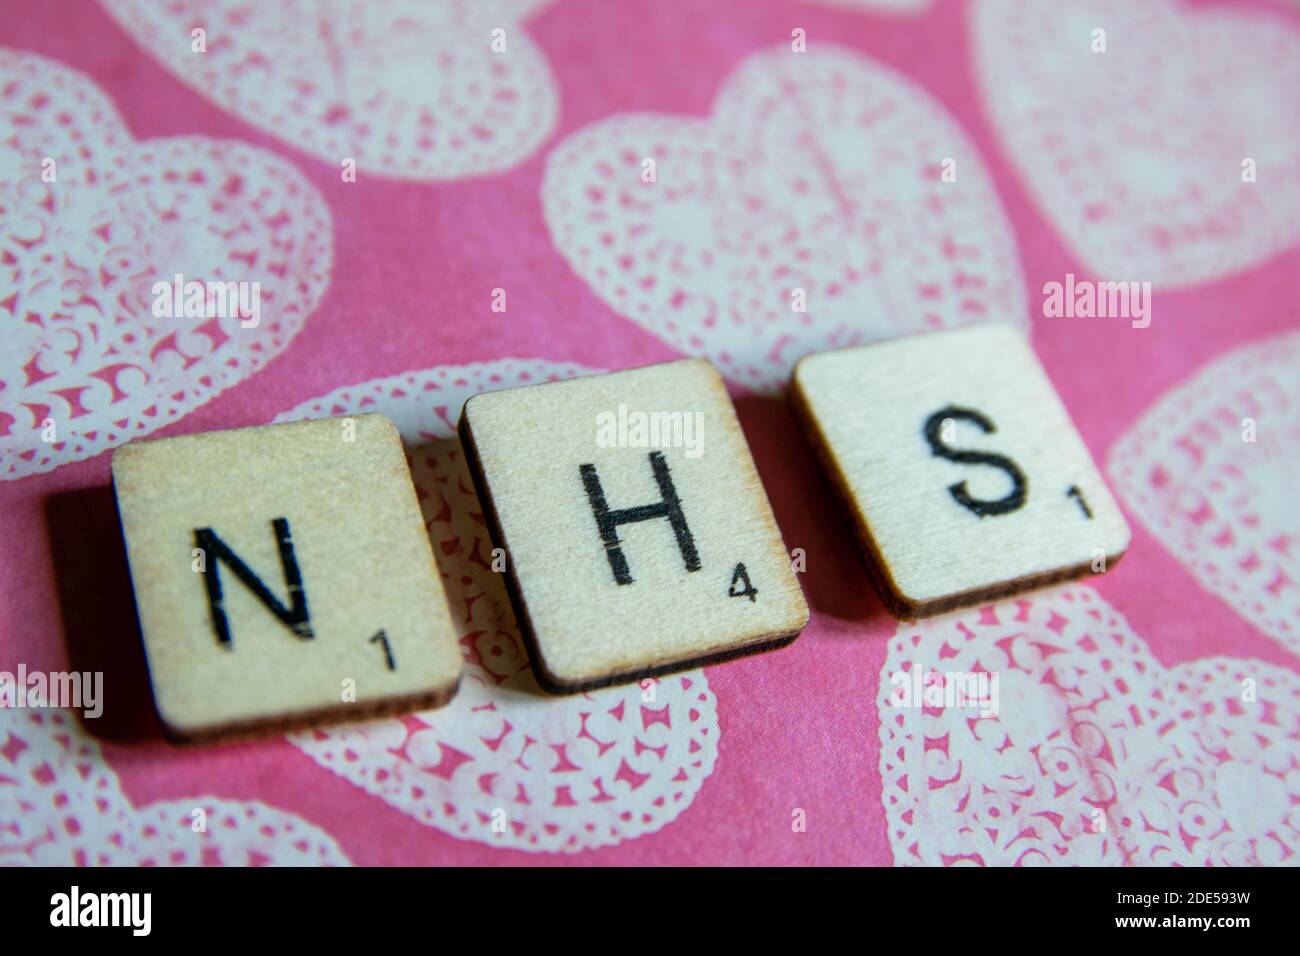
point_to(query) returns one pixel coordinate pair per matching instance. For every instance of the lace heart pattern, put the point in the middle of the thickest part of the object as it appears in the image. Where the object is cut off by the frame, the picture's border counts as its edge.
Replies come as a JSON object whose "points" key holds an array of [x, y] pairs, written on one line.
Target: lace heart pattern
{"points": [[1041, 730], [505, 764], [827, 201], [61, 805], [422, 90], [1212, 469], [138, 279], [1160, 139]]}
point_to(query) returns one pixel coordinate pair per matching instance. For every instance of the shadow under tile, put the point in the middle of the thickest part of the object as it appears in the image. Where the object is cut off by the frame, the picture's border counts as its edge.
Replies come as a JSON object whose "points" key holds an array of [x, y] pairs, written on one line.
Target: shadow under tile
{"points": [[100, 626], [809, 512]]}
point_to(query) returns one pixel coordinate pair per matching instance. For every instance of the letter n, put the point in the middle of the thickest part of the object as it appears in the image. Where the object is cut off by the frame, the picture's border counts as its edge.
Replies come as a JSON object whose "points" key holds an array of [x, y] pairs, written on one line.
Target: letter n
{"points": [[295, 617]]}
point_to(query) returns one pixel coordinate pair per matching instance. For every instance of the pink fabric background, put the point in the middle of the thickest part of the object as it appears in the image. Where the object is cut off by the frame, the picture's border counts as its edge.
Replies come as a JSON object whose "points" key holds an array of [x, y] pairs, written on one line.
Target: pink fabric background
{"points": [[414, 267]]}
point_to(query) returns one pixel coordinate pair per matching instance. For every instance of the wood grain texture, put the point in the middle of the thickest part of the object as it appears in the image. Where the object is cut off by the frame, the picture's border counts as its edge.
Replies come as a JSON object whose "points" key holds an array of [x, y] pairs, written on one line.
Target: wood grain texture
{"points": [[658, 591], [964, 475], [359, 548]]}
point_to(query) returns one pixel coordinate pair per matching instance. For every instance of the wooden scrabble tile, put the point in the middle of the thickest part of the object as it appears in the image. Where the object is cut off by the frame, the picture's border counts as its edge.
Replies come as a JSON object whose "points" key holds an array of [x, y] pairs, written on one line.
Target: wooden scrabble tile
{"points": [[637, 536], [964, 474], [283, 574]]}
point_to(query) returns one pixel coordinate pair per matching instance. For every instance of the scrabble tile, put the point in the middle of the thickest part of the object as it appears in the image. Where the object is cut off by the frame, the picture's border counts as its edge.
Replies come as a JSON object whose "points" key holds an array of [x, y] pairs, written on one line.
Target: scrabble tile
{"points": [[637, 536], [283, 574], [963, 472]]}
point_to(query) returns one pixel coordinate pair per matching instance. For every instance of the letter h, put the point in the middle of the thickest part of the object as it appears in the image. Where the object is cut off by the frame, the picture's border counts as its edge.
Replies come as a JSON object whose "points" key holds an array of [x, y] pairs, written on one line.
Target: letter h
{"points": [[669, 507]]}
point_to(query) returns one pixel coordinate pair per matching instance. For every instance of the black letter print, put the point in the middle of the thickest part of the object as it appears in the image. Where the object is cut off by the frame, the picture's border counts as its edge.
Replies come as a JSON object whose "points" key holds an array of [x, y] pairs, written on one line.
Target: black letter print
{"points": [[381, 637], [1074, 492], [608, 521], [1020, 486], [741, 576], [294, 617]]}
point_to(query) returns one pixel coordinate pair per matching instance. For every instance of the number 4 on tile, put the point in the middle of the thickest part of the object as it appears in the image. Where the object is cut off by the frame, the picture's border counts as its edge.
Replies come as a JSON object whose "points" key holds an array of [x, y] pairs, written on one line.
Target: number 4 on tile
{"points": [[740, 579], [621, 551]]}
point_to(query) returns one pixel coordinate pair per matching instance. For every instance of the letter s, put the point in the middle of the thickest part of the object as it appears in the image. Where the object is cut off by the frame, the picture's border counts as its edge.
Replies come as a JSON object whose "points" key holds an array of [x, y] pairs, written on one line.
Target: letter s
{"points": [[1020, 486]]}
